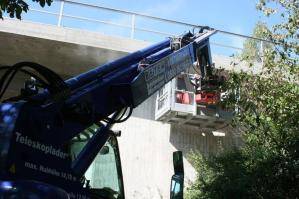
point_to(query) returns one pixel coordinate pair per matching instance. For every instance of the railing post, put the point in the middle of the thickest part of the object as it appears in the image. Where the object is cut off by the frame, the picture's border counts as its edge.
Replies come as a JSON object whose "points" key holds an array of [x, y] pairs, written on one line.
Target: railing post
{"points": [[60, 13], [133, 26]]}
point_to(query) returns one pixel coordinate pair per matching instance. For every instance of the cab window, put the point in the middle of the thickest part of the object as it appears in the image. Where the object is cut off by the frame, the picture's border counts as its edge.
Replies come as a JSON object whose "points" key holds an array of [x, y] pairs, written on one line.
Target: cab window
{"points": [[104, 176]]}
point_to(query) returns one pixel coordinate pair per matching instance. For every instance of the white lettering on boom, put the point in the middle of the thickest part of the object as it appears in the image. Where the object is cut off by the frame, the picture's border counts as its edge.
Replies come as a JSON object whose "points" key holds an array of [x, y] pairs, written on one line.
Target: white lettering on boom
{"points": [[47, 149]]}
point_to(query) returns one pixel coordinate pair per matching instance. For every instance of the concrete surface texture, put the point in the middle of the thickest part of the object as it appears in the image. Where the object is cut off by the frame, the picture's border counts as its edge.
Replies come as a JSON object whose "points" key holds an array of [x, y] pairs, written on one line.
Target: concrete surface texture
{"points": [[146, 145], [66, 51], [146, 148]]}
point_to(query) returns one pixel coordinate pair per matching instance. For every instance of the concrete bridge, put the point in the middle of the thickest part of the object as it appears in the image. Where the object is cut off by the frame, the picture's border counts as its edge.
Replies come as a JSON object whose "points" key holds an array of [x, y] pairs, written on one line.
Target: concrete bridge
{"points": [[65, 50], [146, 145]]}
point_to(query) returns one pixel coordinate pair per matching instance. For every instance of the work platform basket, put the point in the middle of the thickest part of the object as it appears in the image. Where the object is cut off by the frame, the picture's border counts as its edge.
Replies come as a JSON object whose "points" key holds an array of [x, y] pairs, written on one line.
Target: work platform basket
{"points": [[177, 104]]}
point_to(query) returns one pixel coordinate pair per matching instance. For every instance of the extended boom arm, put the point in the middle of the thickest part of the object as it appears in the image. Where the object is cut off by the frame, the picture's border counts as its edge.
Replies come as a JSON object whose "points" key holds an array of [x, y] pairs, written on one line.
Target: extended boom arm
{"points": [[43, 124]]}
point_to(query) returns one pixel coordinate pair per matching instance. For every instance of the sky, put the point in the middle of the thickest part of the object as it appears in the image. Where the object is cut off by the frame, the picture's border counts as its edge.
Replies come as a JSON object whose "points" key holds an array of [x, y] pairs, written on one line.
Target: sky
{"points": [[232, 15], [239, 16]]}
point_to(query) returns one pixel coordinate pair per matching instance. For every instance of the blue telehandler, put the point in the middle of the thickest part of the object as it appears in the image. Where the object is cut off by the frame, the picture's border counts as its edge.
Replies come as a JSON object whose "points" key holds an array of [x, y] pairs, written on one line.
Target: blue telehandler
{"points": [[54, 130]]}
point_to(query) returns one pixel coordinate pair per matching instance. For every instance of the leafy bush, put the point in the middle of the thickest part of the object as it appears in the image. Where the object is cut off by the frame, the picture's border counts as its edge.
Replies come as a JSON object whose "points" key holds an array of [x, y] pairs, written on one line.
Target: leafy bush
{"points": [[267, 166]]}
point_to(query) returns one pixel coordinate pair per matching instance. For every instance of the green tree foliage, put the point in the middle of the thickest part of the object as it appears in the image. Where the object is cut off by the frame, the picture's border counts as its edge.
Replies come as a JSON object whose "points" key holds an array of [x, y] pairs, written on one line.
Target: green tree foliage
{"points": [[15, 7], [267, 166], [253, 48]]}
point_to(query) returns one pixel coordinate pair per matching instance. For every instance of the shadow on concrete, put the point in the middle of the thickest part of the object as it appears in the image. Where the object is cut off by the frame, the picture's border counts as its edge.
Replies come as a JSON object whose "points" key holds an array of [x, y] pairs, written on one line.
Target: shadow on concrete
{"points": [[192, 139], [146, 110]]}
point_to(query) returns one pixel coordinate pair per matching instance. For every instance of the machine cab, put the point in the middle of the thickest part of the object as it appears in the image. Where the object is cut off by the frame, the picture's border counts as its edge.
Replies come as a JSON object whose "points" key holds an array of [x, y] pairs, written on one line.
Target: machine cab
{"points": [[103, 179]]}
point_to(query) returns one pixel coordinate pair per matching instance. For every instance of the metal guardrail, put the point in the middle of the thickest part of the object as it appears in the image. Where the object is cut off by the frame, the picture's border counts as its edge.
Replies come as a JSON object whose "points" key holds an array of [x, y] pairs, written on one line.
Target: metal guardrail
{"points": [[133, 16], [61, 15]]}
